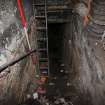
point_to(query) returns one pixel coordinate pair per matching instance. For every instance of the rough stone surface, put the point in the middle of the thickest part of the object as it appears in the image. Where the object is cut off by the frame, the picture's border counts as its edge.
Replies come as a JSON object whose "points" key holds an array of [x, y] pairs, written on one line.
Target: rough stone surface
{"points": [[16, 80]]}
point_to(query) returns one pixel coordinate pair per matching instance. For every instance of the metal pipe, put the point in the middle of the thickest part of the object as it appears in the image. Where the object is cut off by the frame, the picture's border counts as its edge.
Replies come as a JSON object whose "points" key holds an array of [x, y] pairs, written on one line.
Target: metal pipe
{"points": [[5, 66]]}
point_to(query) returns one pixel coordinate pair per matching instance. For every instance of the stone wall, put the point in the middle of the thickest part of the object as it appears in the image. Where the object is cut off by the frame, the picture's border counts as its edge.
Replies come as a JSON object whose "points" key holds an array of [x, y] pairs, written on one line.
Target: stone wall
{"points": [[18, 79]]}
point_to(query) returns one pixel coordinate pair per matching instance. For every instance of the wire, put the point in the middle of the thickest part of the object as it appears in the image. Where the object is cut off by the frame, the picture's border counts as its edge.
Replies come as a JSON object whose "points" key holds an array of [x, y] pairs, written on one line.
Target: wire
{"points": [[26, 34], [5, 66], [23, 22]]}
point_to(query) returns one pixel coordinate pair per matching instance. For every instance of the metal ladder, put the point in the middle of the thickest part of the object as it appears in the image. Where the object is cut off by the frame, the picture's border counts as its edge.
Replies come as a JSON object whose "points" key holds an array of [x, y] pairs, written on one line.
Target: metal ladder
{"points": [[40, 14]]}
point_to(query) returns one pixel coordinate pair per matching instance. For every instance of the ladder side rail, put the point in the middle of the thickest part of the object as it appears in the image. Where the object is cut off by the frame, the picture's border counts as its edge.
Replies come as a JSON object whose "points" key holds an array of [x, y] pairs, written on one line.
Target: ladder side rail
{"points": [[37, 57], [47, 34]]}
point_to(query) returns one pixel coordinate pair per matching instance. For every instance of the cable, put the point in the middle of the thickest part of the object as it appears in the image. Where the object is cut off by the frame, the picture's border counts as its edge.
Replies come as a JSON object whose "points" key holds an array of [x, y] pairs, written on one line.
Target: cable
{"points": [[5, 66], [23, 22]]}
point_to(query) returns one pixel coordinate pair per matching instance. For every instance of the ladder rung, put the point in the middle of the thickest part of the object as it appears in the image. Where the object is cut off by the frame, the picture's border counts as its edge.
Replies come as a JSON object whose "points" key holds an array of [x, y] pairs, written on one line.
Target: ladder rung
{"points": [[42, 39], [41, 4], [60, 10], [43, 59], [51, 20], [40, 17], [42, 49], [58, 7], [41, 10], [44, 72], [43, 68], [41, 28], [44, 75]]}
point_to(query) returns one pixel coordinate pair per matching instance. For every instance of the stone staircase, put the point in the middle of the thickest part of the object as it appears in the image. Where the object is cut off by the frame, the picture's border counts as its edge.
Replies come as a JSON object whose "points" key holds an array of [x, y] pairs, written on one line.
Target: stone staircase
{"points": [[96, 26]]}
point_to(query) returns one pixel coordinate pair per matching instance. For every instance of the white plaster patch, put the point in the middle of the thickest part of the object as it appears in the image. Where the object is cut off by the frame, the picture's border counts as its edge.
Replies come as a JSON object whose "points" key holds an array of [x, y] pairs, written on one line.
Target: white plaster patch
{"points": [[3, 59], [6, 20]]}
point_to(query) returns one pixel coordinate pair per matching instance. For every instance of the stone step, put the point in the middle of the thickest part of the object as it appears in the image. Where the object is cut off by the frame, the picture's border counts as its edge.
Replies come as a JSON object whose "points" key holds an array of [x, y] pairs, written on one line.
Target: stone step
{"points": [[93, 34], [97, 21], [99, 18], [98, 6], [99, 2], [98, 12], [100, 28], [95, 30]]}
